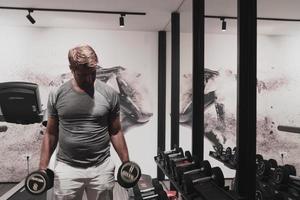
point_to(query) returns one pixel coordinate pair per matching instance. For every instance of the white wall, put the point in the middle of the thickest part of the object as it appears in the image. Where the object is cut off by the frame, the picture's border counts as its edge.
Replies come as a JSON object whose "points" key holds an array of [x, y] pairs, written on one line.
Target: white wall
{"points": [[40, 55]]}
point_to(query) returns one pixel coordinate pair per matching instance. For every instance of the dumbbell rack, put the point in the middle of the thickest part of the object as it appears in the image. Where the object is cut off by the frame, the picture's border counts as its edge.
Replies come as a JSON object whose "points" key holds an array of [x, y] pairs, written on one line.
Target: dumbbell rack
{"points": [[173, 182], [216, 189]]}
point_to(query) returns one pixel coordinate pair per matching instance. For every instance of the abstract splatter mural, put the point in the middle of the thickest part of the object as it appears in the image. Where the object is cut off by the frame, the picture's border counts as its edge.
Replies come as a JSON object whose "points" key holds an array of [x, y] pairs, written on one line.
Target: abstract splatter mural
{"points": [[220, 113], [20, 144]]}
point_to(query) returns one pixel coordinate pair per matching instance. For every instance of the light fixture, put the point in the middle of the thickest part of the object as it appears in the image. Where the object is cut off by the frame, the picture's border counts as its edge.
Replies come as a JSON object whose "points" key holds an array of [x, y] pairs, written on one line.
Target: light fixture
{"points": [[122, 24], [29, 17], [30, 10], [223, 23]]}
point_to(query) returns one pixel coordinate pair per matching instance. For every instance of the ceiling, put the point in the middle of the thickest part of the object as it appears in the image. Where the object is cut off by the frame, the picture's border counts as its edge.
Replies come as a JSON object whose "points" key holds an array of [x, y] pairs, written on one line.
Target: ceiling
{"points": [[158, 14]]}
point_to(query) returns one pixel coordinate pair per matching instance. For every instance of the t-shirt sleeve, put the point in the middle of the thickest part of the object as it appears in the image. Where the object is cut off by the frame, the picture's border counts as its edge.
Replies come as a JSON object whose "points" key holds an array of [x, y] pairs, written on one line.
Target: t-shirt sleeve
{"points": [[51, 105], [115, 105]]}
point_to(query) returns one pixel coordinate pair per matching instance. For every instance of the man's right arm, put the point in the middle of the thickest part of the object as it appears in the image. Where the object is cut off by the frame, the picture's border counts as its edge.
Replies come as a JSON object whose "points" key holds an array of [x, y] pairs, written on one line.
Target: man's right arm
{"points": [[49, 142]]}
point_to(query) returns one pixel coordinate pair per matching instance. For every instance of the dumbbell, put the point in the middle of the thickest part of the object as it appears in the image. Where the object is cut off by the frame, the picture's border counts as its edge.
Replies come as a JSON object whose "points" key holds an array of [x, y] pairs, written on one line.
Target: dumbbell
{"points": [[285, 174], [265, 191], [129, 174], [203, 168], [155, 192], [174, 156], [265, 168], [162, 154], [187, 159], [39, 181], [234, 158], [216, 176]]}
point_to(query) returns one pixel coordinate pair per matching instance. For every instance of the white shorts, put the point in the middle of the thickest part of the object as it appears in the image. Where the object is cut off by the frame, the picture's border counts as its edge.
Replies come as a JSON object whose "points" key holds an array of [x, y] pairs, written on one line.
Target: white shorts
{"points": [[97, 182]]}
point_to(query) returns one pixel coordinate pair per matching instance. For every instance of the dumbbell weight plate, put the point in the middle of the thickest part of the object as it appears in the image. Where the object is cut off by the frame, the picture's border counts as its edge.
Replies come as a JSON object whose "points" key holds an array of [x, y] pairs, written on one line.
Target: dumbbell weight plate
{"points": [[129, 174], [273, 163], [291, 168], [281, 175], [262, 168], [36, 183], [218, 176]]}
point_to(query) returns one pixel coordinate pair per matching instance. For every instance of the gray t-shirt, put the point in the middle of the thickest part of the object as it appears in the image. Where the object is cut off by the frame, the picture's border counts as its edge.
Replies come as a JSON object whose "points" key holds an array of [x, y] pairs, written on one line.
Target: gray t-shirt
{"points": [[84, 139]]}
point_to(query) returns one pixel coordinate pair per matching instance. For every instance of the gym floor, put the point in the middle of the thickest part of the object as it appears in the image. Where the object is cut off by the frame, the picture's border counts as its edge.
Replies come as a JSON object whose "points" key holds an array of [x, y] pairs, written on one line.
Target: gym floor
{"points": [[120, 193]]}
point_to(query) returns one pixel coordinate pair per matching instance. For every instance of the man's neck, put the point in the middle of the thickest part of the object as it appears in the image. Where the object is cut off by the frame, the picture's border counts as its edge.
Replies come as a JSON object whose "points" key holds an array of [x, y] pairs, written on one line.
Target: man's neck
{"points": [[89, 91]]}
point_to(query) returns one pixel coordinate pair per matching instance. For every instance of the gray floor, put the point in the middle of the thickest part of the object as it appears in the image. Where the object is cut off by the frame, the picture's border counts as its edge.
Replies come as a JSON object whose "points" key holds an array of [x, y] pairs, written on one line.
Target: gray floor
{"points": [[4, 187], [120, 193]]}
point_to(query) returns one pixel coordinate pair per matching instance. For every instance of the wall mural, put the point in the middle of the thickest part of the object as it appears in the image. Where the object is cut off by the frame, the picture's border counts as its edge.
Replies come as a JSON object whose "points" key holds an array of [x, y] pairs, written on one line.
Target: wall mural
{"points": [[220, 114], [20, 144]]}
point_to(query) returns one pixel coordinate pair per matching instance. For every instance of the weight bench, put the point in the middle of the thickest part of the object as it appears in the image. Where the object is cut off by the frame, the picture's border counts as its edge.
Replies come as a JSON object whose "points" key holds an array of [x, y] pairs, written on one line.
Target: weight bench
{"points": [[20, 104]]}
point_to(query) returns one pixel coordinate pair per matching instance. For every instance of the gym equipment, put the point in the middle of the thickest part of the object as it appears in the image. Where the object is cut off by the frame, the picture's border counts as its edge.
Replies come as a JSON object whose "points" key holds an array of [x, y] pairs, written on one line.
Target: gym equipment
{"points": [[285, 174], [174, 156], [20, 102], [233, 160], [129, 174], [203, 167], [161, 157], [266, 192], [173, 162], [39, 181], [148, 188], [216, 175], [265, 168]]}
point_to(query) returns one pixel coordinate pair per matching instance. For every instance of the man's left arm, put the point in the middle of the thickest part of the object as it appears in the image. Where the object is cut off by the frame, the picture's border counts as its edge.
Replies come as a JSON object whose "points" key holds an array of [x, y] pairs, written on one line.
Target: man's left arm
{"points": [[118, 140]]}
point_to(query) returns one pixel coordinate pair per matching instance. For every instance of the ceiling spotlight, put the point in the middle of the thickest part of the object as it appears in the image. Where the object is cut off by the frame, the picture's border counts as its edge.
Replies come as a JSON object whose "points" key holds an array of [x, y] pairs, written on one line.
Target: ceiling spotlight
{"points": [[29, 17], [223, 23], [122, 24]]}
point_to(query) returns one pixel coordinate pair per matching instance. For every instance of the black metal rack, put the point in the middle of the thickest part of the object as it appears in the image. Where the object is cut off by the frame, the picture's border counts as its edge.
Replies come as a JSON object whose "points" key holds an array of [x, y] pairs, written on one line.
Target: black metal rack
{"points": [[174, 183], [225, 194]]}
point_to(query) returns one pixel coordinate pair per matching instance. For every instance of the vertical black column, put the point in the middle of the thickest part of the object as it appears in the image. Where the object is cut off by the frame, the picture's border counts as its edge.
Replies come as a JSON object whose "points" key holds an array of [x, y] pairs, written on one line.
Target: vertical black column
{"points": [[161, 113], [198, 79], [175, 79], [246, 101]]}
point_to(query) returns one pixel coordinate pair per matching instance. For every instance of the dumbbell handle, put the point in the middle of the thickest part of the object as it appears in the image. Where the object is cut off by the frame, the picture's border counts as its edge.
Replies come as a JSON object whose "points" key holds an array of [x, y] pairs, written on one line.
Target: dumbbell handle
{"points": [[203, 179], [174, 155], [147, 190], [193, 171], [150, 197], [180, 159], [185, 164], [170, 151], [295, 178]]}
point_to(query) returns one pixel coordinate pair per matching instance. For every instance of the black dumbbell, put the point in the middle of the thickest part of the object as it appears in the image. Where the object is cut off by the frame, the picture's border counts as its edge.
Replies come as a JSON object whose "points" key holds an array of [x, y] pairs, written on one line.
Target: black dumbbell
{"points": [[265, 168], [129, 174], [234, 158], [39, 181], [216, 176], [187, 159], [203, 168], [173, 156], [162, 154], [285, 174], [155, 192], [265, 191]]}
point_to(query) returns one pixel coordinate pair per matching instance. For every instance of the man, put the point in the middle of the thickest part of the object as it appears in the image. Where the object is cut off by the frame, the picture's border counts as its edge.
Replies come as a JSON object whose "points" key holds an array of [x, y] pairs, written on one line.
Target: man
{"points": [[83, 118]]}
